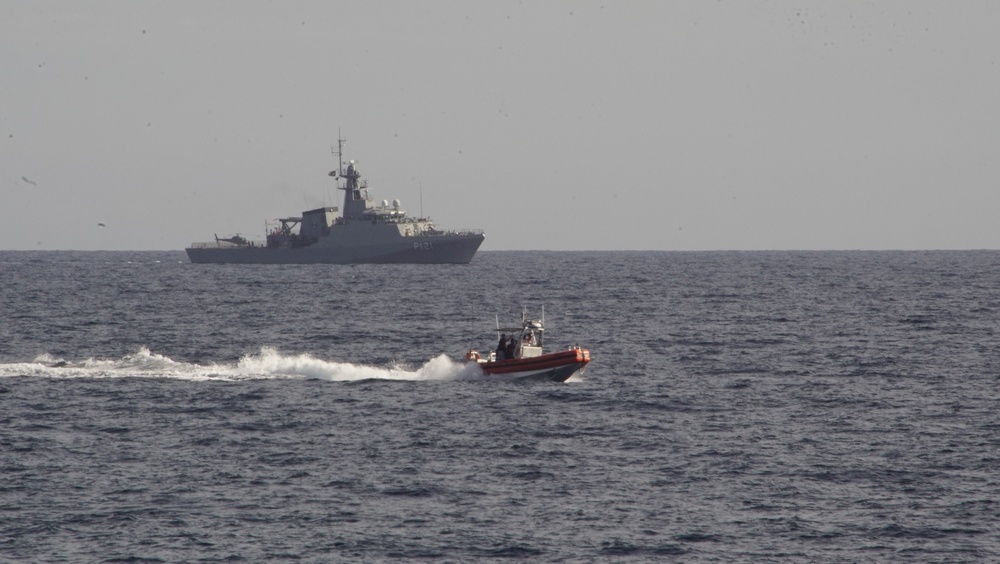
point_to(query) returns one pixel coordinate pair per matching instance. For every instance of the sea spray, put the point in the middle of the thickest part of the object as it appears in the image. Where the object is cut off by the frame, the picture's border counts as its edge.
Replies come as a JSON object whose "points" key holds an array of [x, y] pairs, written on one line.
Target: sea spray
{"points": [[268, 363]]}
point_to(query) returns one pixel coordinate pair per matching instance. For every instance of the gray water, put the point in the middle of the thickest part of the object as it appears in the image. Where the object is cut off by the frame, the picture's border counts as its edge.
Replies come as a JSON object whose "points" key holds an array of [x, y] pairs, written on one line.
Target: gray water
{"points": [[828, 407]]}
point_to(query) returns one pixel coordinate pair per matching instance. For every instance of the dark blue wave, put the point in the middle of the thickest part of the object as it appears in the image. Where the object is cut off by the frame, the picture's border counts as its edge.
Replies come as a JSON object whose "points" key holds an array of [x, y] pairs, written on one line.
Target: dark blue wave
{"points": [[740, 407]]}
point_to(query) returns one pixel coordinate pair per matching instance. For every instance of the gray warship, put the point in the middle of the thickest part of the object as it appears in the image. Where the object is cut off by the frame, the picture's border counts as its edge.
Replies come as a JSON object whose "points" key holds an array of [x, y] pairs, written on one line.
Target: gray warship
{"points": [[365, 232]]}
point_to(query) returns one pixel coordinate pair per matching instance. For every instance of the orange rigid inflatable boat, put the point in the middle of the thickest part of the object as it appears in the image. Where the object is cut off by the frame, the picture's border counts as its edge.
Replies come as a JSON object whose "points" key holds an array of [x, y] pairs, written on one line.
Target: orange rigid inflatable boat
{"points": [[519, 356]]}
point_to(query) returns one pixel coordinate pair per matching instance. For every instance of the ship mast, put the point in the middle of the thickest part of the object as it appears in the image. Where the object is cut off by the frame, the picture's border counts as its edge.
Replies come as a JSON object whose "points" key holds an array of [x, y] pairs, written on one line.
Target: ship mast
{"points": [[339, 173], [340, 153], [354, 200]]}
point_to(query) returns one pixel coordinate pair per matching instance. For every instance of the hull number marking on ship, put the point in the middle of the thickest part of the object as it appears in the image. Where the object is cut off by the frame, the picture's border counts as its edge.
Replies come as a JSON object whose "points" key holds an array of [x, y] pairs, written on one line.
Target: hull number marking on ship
{"points": [[423, 246]]}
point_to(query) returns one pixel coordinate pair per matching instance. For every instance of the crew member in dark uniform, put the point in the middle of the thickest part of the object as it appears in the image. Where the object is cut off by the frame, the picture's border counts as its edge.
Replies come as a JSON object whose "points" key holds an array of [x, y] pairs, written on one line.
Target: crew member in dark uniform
{"points": [[502, 347]]}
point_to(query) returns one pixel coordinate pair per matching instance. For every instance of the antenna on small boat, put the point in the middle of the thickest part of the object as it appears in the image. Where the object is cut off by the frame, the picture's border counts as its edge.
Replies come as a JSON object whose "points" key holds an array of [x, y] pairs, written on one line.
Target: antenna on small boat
{"points": [[498, 324]]}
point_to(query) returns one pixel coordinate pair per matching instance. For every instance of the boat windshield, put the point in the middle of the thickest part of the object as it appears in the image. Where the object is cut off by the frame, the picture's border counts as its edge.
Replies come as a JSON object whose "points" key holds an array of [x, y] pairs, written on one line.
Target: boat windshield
{"points": [[531, 337], [531, 333]]}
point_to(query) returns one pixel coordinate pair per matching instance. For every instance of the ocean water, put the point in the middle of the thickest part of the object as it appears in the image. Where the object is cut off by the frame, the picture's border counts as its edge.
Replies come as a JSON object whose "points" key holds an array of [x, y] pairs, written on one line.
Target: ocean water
{"points": [[740, 407]]}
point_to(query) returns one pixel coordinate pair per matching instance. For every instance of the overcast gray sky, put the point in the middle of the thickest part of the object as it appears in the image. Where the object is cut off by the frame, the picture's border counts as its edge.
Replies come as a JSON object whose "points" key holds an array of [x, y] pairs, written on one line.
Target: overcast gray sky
{"points": [[680, 125]]}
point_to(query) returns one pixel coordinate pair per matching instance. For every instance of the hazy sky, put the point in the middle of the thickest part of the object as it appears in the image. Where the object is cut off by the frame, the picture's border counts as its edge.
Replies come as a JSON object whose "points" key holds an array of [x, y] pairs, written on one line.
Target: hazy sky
{"points": [[670, 125]]}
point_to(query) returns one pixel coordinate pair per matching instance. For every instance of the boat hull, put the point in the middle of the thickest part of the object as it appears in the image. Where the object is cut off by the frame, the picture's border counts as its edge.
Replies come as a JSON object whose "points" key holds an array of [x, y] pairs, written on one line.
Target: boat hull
{"points": [[441, 249], [552, 367]]}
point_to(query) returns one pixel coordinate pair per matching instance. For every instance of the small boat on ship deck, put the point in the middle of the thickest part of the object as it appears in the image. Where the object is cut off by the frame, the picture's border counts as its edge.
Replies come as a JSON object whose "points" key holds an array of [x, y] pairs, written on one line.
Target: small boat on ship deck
{"points": [[519, 356]]}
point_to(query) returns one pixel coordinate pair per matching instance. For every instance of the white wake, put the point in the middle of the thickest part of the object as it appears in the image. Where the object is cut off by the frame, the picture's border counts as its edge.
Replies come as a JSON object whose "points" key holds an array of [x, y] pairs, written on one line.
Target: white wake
{"points": [[266, 364]]}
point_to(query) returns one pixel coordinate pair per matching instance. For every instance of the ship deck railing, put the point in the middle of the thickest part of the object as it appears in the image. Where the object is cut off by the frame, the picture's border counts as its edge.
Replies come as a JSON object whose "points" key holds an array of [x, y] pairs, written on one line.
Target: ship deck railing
{"points": [[452, 232], [227, 245]]}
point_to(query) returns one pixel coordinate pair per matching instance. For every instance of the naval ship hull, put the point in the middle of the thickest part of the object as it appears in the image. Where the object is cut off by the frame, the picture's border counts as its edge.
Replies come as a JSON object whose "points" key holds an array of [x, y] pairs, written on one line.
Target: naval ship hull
{"points": [[439, 249], [365, 232]]}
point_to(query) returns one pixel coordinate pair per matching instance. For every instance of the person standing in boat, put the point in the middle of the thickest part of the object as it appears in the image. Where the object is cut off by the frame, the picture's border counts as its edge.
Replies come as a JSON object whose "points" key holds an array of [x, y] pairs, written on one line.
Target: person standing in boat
{"points": [[502, 347], [529, 338]]}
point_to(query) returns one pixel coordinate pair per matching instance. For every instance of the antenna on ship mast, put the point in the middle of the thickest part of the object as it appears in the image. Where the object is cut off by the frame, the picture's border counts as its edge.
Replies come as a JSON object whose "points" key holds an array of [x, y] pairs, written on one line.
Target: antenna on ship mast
{"points": [[340, 153], [339, 173], [350, 178]]}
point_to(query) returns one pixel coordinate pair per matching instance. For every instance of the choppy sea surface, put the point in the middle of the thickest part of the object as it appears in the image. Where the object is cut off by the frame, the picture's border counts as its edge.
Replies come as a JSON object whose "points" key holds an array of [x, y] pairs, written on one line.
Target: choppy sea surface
{"points": [[740, 407]]}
